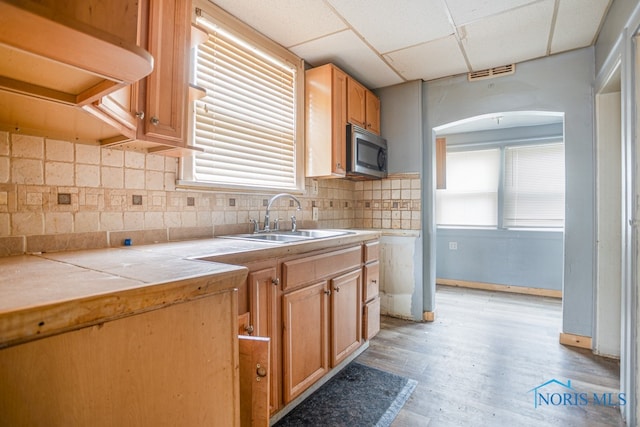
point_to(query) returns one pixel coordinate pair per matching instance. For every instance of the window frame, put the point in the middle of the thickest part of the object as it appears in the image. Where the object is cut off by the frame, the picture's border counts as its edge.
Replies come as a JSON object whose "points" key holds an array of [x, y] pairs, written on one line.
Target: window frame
{"points": [[229, 23]]}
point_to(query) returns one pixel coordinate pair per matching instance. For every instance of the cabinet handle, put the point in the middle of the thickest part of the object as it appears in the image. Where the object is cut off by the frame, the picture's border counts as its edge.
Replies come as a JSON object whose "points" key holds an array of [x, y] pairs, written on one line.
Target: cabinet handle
{"points": [[275, 281], [327, 292], [248, 329], [374, 281], [155, 121]]}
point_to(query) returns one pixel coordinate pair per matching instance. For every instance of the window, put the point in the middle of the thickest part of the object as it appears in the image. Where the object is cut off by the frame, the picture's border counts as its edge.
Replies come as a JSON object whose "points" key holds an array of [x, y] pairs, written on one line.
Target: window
{"points": [[248, 124], [471, 196], [534, 186], [517, 186]]}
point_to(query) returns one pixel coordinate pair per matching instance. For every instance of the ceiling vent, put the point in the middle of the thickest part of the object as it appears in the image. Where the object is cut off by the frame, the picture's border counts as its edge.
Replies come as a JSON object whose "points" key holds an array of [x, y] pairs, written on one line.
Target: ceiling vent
{"points": [[490, 73]]}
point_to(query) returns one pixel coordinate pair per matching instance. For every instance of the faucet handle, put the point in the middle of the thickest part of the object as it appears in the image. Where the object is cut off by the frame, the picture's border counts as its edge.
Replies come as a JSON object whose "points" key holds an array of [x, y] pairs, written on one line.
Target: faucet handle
{"points": [[256, 226], [276, 224], [294, 225]]}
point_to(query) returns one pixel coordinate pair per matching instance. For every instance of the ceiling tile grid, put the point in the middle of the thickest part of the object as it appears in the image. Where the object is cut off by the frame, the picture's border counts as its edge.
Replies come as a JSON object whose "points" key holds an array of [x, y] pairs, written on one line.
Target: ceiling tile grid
{"points": [[382, 42]]}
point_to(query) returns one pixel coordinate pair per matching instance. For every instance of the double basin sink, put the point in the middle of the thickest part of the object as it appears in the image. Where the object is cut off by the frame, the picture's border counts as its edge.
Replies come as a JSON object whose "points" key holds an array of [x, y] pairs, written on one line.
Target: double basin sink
{"points": [[288, 236]]}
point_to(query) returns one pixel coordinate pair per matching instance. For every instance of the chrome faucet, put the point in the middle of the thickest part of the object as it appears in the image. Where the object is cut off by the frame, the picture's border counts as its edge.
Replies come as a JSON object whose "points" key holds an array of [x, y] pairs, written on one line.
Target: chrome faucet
{"points": [[273, 199]]}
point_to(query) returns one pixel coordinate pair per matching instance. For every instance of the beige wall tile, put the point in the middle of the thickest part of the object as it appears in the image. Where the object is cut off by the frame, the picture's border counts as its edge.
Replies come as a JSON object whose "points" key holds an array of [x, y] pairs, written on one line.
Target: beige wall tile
{"points": [[88, 154], [5, 166], [59, 150], [134, 220], [27, 223], [112, 157], [112, 177], [26, 146], [87, 221], [155, 162], [87, 175], [5, 224], [172, 219], [111, 221], [58, 222], [188, 219], [4, 143], [134, 159], [134, 178], [58, 173], [153, 220], [154, 180], [27, 171]]}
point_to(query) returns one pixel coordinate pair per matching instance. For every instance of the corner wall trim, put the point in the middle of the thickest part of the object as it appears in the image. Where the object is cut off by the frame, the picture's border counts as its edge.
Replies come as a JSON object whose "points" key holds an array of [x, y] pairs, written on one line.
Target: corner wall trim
{"points": [[575, 340], [500, 288], [429, 316]]}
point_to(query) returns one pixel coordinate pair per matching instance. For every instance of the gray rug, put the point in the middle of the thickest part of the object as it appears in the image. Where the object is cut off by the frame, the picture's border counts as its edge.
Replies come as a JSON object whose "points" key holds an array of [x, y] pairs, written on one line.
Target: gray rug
{"points": [[357, 396]]}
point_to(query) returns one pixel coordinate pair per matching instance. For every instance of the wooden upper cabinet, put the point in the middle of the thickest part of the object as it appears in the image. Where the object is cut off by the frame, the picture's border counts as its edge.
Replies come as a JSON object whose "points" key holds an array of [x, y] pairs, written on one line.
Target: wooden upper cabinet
{"points": [[356, 103], [372, 103], [326, 120], [152, 112], [332, 100], [363, 107]]}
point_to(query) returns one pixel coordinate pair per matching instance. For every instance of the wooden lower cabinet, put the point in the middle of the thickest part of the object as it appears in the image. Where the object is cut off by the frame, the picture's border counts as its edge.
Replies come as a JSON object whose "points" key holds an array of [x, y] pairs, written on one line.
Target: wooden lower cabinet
{"points": [[305, 337], [346, 315], [175, 366]]}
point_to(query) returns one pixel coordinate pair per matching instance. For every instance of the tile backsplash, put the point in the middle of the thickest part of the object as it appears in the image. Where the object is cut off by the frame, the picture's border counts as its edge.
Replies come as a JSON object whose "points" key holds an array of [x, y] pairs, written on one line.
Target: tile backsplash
{"points": [[59, 195]]}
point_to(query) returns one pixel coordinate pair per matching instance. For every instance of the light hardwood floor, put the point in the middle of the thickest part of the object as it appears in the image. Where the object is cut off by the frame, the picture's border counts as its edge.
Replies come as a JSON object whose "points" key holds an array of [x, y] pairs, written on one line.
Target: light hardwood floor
{"points": [[476, 364]]}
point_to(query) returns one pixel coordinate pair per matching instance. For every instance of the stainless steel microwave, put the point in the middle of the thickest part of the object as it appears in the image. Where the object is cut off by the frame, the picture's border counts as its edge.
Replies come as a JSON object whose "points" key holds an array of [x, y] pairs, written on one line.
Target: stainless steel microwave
{"points": [[366, 154]]}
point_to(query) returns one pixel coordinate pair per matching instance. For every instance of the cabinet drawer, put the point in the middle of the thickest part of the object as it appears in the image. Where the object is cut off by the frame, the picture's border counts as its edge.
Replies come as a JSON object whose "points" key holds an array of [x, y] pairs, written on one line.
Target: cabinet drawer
{"points": [[371, 319], [371, 281], [301, 271], [371, 251]]}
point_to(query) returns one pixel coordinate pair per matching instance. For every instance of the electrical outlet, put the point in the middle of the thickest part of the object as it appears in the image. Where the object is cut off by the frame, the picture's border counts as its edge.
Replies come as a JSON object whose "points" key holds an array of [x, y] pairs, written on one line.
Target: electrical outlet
{"points": [[314, 214], [453, 246]]}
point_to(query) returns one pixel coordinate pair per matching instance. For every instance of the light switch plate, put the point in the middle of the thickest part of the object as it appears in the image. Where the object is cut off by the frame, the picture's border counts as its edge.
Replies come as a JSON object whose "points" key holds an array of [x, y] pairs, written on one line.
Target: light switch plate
{"points": [[314, 214], [314, 187]]}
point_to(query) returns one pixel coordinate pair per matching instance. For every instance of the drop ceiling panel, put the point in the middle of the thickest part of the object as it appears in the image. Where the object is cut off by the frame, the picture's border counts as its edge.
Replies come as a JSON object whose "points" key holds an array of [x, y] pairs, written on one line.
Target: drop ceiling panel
{"points": [[465, 11], [577, 23], [514, 36], [391, 25], [348, 52], [288, 22], [430, 60]]}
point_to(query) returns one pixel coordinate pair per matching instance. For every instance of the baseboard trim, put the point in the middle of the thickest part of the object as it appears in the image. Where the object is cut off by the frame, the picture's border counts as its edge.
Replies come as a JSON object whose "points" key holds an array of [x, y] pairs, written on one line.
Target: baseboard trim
{"points": [[552, 293], [429, 316], [573, 340]]}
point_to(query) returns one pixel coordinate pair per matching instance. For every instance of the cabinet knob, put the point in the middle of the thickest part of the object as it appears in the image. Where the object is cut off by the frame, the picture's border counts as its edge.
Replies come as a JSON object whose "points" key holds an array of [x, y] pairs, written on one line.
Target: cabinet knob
{"points": [[155, 121], [337, 289], [374, 281], [140, 115], [261, 371], [327, 292], [275, 281], [248, 329]]}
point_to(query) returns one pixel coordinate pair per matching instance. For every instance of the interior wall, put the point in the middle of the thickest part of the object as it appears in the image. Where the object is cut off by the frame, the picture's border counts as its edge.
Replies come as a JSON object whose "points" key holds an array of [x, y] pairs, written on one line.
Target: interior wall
{"points": [[559, 83]]}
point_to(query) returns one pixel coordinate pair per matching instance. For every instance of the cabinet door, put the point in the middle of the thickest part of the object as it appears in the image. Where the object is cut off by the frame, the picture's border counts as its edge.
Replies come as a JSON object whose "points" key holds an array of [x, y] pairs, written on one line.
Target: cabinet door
{"points": [[306, 331], [346, 315], [372, 111], [254, 381], [356, 103], [166, 87], [263, 298], [339, 114], [371, 287]]}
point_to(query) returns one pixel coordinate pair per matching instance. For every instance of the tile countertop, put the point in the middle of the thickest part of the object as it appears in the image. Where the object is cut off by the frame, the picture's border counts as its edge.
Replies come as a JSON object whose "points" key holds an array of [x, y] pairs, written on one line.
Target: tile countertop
{"points": [[46, 294]]}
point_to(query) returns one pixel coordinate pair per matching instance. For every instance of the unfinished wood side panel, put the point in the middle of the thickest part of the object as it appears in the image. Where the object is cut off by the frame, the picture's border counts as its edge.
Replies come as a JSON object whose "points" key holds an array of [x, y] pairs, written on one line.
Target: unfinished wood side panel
{"points": [[173, 366], [441, 163]]}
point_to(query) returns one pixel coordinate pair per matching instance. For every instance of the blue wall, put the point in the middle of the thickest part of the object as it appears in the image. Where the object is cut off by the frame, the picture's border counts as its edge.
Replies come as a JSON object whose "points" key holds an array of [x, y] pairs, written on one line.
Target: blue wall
{"points": [[516, 258]]}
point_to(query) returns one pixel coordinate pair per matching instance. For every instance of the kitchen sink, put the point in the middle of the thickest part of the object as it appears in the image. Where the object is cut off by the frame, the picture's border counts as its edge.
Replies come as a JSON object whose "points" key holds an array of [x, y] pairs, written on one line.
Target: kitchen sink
{"points": [[288, 236]]}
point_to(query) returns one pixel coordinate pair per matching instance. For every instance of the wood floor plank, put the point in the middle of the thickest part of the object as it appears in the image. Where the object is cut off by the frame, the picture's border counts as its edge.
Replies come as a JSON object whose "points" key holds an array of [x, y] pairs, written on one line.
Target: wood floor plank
{"points": [[477, 363]]}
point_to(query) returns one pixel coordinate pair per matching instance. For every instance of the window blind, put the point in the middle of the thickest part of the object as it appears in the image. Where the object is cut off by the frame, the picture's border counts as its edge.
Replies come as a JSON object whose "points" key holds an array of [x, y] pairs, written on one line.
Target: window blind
{"points": [[471, 196], [246, 122], [534, 186]]}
